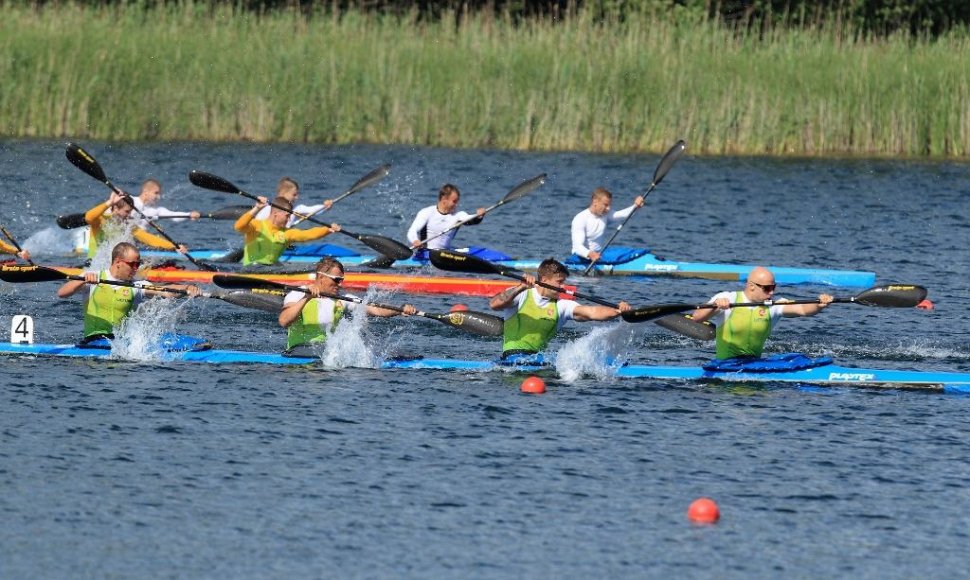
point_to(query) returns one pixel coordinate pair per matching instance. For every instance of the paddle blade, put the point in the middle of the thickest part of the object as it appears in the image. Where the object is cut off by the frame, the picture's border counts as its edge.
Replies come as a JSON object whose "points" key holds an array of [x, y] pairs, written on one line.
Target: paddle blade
{"points": [[232, 212], [85, 162], [668, 160], [20, 274], [892, 295], [683, 324], [213, 182], [524, 188], [386, 246], [471, 321], [267, 301], [235, 282], [71, 221], [458, 262], [645, 313], [367, 180]]}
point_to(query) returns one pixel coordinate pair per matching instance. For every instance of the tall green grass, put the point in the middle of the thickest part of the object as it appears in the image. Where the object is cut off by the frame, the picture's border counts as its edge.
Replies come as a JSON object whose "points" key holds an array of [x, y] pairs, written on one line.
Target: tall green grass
{"points": [[192, 72]]}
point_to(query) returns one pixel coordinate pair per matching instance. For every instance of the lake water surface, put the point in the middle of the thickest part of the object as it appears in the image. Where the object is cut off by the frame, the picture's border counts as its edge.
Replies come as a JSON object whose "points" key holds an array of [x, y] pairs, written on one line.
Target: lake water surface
{"points": [[141, 469]]}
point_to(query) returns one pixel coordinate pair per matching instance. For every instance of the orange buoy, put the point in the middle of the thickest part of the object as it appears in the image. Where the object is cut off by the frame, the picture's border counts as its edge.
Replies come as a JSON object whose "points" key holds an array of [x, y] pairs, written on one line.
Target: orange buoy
{"points": [[925, 304], [703, 511], [458, 308], [534, 385]]}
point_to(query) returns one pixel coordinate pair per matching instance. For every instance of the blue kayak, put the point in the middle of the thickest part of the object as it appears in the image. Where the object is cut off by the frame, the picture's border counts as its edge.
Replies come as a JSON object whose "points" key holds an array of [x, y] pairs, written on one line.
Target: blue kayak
{"points": [[823, 374], [628, 262]]}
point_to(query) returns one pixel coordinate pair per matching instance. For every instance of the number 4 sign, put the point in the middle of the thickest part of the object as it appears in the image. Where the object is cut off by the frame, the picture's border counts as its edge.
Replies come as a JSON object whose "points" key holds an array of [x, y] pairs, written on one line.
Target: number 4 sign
{"points": [[22, 329]]}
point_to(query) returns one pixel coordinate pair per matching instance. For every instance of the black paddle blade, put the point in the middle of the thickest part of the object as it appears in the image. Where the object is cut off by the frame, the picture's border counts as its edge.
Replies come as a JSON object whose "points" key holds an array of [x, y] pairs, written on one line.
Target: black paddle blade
{"points": [[19, 274], [645, 313], [232, 212], [524, 188], [458, 262], [683, 324], [213, 182], [668, 160], [892, 295], [471, 321], [71, 221], [235, 282], [85, 162], [367, 180], [386, 246], [267, 302]]}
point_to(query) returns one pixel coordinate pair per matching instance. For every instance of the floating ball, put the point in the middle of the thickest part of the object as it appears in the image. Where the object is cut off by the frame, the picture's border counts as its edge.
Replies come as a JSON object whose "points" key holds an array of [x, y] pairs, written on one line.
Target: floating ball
{"points": [[458, 308], [925, 305], [534, 385], [703, 511]]}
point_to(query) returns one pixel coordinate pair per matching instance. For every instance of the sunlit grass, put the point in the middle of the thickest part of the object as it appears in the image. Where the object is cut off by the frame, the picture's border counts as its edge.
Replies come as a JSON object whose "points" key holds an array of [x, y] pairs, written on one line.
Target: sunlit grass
{"points": [[188, 72]]}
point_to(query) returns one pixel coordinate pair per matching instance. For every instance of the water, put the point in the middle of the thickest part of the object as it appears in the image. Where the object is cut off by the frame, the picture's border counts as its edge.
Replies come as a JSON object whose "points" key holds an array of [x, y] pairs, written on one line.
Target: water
{"points": [[138, 468]]}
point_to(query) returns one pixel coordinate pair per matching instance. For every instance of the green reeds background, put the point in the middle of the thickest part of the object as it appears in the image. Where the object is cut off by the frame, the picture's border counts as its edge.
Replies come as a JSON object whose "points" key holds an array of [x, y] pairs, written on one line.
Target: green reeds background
{"points": [[192, 72]]}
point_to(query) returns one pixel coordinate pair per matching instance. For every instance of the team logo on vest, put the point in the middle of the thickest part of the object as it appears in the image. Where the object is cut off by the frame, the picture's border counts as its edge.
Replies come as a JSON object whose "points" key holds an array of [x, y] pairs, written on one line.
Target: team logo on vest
{"points": [[550, 310], [761, 312]]}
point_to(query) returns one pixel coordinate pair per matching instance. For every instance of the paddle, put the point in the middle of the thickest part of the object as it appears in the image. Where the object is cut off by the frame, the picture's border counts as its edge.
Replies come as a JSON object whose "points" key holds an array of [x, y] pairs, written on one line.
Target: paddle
{"points": [[386, 246], [13, 241], [457, 262], [24, 274], [520, 190], [891, 295], [86, 163], [468, 320], [666, 162], [366, 181], [232, 212]]}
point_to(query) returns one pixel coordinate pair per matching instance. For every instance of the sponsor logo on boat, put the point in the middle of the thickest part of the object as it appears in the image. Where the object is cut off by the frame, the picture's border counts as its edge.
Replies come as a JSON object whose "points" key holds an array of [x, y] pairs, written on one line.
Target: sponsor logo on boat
{"points": [[861, 377], [659, 267]]}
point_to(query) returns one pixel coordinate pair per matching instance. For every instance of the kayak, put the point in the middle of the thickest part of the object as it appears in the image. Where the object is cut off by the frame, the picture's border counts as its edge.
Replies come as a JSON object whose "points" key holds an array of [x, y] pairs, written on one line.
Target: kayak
{"points": [[465, 286], [641, 263], [825, 374]]}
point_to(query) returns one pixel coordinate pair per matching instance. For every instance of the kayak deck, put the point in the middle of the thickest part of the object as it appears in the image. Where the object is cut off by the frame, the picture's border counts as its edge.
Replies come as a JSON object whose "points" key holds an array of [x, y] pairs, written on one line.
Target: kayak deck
{"points": [[831, 374]]}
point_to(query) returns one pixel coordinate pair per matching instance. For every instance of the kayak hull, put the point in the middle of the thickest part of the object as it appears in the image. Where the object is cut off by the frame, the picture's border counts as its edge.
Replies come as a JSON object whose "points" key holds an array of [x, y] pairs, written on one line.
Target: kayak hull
{"points": [[831, 374], [645, 265]]}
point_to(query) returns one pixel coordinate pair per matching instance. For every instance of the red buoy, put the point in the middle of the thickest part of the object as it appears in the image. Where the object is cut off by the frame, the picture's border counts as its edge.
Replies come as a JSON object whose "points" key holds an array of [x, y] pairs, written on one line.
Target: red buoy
{"points": [[703, 511], [534, 385]]}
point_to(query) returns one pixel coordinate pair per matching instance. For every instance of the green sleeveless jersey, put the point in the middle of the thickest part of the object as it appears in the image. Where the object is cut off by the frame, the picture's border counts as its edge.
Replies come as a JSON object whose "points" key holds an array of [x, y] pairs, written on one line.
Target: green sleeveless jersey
{"points": [[744, 331], [318, 317], [265, 245], [107, 306], [532, 327]]}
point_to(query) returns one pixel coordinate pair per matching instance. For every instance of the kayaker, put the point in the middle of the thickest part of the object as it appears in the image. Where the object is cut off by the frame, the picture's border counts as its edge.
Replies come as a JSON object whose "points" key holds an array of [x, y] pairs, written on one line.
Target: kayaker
{"points": [[106, 305], [266, 239], [6, 248], [110, 226], [590, 225], [534, 314], [742, 332], [289, 189], [310, 317], [435, 219], [147, 204]]}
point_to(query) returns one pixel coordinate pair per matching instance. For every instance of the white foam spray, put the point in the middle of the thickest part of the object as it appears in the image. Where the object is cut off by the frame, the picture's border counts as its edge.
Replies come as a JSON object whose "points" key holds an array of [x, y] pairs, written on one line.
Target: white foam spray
{"points": [[597, 354], [138, 337]]}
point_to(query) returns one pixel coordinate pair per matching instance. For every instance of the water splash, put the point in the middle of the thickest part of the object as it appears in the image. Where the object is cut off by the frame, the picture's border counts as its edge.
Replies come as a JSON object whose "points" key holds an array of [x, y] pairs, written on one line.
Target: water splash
{"points": [[351, 344], [596, 354], [51, 242], [138, 337]]}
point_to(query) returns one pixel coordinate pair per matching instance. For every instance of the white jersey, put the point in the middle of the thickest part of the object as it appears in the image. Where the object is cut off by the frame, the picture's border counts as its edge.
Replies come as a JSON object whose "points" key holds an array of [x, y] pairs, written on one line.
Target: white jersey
{"points": [[430, 223], [154, 212], [588, 230], [301, 209], [564, 308]]}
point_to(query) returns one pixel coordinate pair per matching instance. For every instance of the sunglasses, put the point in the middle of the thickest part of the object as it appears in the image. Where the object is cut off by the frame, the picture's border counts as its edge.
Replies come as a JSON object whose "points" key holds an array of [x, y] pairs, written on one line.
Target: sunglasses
{"points": [[134, 264], [766, 287], [337, 279]]}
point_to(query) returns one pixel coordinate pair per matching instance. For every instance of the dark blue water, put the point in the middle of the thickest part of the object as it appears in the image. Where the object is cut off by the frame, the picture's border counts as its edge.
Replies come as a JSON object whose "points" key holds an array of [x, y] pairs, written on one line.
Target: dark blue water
{"points": [[139, 469]]}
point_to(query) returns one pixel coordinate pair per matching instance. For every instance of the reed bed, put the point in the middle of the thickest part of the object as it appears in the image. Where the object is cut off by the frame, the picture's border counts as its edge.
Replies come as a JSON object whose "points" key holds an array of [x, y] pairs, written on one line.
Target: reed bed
{"points": [[193, 72]]}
